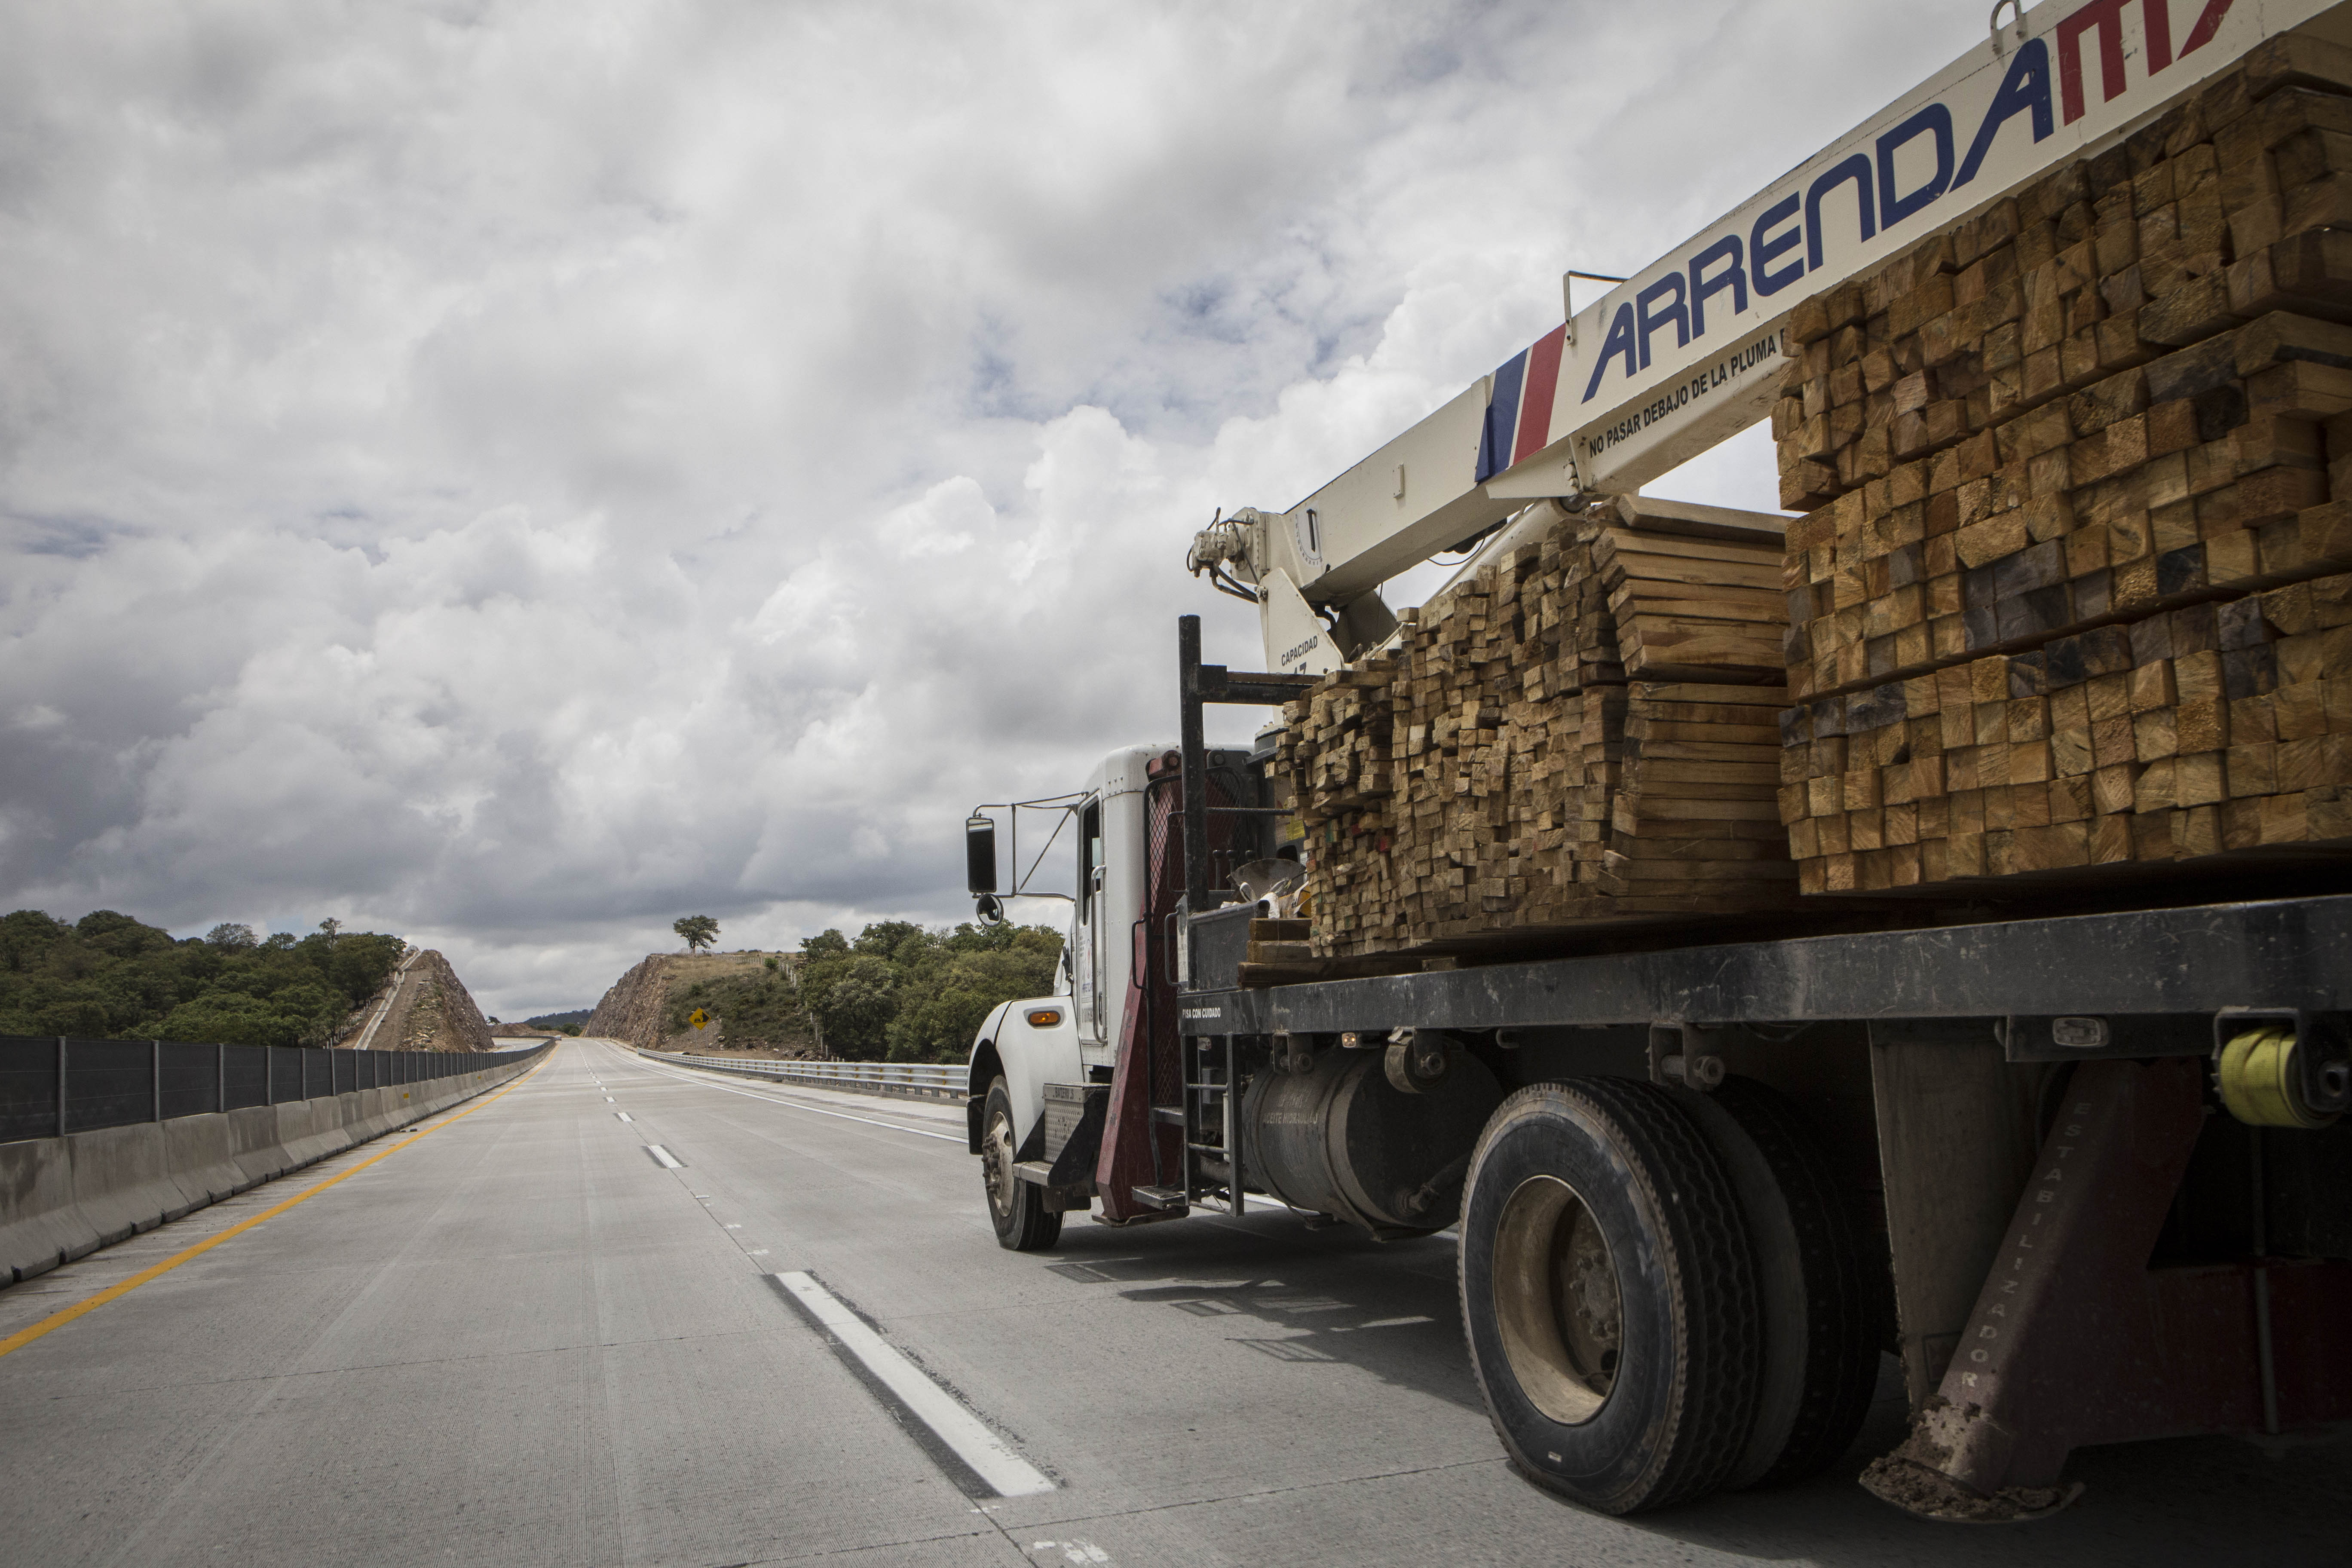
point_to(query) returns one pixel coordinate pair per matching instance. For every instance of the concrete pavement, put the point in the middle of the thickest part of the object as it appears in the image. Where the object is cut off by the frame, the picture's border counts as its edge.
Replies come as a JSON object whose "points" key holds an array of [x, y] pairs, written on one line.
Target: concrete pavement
{"points": [[525, 1339]]}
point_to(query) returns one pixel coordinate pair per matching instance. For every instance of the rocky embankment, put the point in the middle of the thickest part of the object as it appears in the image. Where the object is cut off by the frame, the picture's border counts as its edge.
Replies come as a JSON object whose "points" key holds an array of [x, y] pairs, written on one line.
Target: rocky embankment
{"points": [[632, 1009], [432, 1012]]}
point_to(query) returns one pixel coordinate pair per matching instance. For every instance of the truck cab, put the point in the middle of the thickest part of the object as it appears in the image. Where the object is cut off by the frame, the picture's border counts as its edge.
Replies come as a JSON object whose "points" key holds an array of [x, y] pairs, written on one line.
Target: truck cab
{"points": [[1040, 1069], [1072, 1034], [1107, 822]]}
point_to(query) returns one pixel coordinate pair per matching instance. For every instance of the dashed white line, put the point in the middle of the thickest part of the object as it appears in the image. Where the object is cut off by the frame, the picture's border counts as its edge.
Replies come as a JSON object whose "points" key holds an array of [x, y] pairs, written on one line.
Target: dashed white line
{"points": [[663, 1157], [625, 1116], [990, 1459]]}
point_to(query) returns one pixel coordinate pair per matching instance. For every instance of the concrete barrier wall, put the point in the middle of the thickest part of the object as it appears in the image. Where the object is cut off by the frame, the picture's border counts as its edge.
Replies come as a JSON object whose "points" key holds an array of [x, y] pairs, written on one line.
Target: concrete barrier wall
{"points": [[61, 1198]]}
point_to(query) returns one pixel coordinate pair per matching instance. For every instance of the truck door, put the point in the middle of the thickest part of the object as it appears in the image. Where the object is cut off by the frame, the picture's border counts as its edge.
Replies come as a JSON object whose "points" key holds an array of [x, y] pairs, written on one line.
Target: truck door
{"points": [[1093, 910]]}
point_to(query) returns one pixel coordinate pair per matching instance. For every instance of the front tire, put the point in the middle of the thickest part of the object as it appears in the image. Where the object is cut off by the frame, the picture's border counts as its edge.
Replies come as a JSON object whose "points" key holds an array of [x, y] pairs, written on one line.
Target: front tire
{"points": [[1608, 1295], [1017, 1208]]}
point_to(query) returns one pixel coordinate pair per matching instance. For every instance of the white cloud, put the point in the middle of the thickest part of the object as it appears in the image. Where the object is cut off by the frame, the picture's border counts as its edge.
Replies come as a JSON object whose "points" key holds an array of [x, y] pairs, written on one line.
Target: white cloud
{"points": [[516, 473]]}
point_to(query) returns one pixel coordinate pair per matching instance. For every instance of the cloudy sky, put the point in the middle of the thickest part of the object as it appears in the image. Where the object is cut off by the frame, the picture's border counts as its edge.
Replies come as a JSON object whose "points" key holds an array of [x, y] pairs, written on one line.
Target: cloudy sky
{"points": [[515, 474]]}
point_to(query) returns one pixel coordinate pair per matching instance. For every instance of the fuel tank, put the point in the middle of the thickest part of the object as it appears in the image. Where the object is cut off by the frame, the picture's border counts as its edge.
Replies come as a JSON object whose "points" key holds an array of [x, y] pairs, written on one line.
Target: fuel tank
{"points": [[1341, 1140]]}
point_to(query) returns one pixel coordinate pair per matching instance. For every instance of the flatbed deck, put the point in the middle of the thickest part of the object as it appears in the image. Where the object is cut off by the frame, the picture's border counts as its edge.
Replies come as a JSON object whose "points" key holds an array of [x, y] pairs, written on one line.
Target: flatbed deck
{"points": [[2280, 954]]}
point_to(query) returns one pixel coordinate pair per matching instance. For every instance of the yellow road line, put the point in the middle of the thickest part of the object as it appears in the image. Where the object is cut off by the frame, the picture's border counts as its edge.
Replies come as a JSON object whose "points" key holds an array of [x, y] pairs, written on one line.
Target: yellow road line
{"points": [[59, 1318]]}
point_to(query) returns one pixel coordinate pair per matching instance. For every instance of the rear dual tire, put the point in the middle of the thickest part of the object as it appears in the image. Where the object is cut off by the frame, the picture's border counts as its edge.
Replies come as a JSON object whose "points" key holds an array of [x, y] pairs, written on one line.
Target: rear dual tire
{"points": [[1819, 1307], [1609, 1296], [1662, 1292]]}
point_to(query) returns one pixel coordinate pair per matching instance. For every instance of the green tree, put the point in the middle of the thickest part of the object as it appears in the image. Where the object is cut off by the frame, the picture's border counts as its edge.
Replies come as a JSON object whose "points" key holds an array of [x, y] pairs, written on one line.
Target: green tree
{"points": [[299, 1015], [944, 1001], [913, 995], [883, 939], [698, 931], [111, 975], [26, 935], [854, 1005]]}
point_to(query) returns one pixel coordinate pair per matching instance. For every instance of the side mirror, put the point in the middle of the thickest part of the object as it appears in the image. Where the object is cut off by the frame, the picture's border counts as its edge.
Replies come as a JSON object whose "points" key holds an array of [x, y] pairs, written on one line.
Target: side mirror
{"points": [[979, 854], [991, 910]]}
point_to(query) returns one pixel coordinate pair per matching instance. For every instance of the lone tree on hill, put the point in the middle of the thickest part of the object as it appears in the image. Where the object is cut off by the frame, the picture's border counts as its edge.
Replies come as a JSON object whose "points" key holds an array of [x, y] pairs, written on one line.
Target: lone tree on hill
{"points": [[699, 931]]}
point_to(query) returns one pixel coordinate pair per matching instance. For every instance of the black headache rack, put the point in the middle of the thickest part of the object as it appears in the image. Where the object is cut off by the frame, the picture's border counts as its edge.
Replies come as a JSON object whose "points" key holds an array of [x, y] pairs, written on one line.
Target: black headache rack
{"points": [[1210, 857], [1224, 816]]}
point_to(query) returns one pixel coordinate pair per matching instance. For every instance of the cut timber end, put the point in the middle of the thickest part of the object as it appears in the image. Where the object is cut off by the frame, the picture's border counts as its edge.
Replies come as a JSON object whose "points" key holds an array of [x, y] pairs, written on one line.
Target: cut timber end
{"points": [[2070, 603], [1515, 773]]}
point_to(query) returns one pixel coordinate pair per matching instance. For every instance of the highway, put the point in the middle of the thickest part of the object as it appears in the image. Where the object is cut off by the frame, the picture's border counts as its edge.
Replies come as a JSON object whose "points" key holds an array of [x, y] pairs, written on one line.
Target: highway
{"points": [[623, 1312]]}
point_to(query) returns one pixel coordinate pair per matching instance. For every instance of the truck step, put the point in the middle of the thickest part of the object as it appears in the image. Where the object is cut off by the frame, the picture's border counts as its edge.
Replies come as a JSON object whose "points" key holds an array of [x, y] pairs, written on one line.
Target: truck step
{"points": [[1162, 1197], [1035, 1172]]}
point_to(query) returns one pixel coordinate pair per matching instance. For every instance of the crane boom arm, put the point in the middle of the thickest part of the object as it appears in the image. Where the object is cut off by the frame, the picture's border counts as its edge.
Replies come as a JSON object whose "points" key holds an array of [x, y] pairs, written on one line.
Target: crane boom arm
{"points": [[1690, 350]]}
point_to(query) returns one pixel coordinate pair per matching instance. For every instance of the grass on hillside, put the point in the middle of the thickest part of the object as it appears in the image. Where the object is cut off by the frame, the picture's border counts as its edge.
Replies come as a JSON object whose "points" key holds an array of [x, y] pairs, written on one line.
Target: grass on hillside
{"points": [[753, 995]]}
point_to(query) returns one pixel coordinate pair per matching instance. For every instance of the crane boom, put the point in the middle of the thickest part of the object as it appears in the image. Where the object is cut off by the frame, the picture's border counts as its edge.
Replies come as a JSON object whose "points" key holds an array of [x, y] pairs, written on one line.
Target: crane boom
{"points": [[1690, 348]]}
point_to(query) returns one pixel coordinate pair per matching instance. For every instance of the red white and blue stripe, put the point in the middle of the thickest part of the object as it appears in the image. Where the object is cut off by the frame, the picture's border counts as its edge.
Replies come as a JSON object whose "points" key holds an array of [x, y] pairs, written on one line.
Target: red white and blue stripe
{"points": [[1518, 409]]}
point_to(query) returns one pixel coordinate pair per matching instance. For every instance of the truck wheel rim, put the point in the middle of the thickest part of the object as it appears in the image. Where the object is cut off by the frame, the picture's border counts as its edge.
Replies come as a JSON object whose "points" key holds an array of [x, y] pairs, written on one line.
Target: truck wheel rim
{"points": [[1557, 1301], [996, 1163]]}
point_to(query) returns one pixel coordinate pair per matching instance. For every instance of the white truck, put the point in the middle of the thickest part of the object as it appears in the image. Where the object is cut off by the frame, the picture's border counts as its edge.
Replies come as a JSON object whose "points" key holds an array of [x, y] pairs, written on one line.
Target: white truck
{"points": [[1699, 1187]]}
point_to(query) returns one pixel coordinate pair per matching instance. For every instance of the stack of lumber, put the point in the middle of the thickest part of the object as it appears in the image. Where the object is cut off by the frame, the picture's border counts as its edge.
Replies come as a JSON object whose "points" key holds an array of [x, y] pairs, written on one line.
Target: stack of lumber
{"points": [[2217, 727], [2218, 213], [2059, 463], [1585, 729], [1282, 952]]}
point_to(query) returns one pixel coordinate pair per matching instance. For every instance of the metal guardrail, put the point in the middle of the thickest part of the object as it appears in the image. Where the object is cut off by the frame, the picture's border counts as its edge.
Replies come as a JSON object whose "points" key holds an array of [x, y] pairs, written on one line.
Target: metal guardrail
{"points": [[930, 1079], [50, 1086]]}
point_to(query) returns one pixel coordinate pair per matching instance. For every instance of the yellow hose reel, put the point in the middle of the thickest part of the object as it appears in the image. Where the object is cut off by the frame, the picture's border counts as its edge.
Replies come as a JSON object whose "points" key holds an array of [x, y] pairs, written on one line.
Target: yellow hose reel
{"points": [[2261, 1082]]}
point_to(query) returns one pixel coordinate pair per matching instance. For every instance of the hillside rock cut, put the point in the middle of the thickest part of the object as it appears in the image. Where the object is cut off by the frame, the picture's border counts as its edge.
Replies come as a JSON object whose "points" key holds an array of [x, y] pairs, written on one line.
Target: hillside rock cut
{"points": [[433, 1011]]}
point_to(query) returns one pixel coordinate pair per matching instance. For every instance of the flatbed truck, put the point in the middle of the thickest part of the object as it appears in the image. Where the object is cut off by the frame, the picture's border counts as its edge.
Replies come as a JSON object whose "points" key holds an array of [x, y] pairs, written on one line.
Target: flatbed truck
{"points": [[2082, 1167], [2083, 1174]]}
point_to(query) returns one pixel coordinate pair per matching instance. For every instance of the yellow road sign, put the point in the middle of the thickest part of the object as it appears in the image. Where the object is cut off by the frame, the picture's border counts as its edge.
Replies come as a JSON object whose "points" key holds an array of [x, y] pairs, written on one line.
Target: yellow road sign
{"points": [[697, 1017]]}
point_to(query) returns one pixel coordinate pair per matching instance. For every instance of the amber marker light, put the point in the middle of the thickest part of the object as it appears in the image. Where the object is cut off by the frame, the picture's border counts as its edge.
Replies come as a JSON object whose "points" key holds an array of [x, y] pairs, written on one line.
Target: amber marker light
{"points": [[1044, 1017]]}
